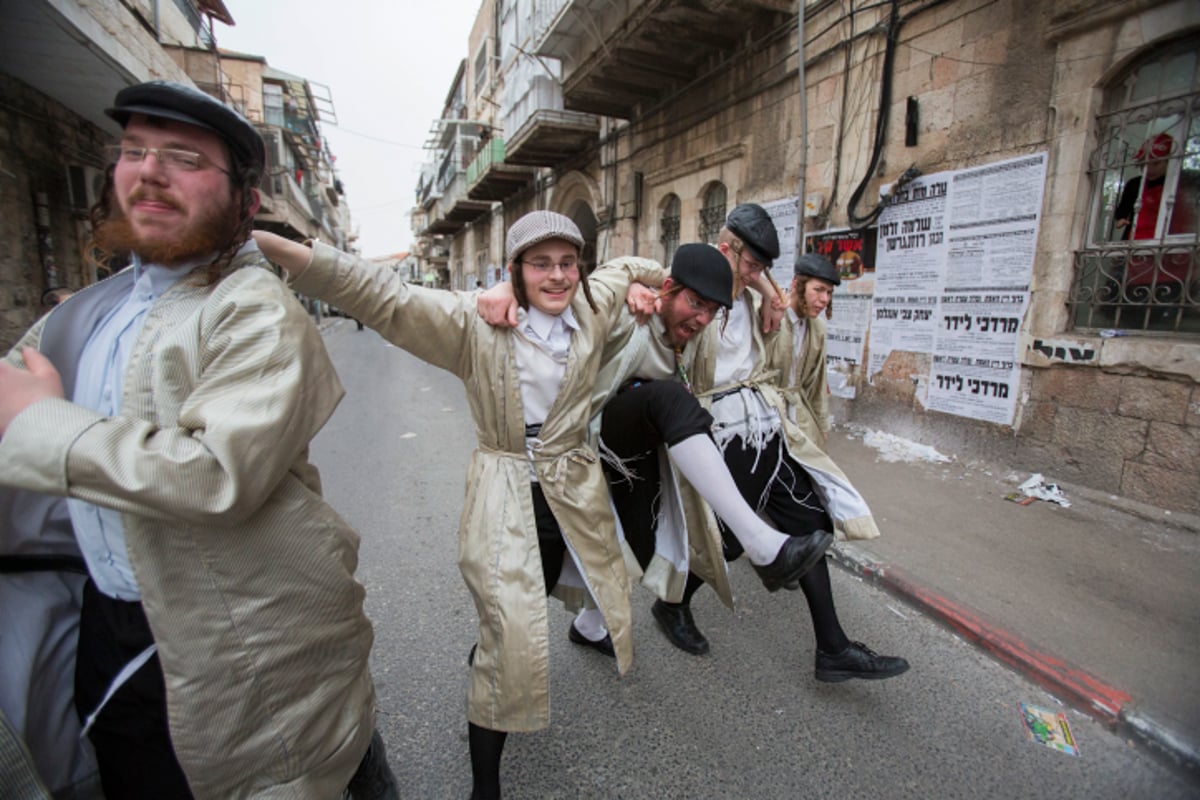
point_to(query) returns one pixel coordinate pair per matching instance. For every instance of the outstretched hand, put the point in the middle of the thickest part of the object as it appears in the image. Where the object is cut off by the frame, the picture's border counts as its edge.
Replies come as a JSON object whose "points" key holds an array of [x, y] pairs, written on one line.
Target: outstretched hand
{"points": [[643, 302], [498, 306], [21, 388]]}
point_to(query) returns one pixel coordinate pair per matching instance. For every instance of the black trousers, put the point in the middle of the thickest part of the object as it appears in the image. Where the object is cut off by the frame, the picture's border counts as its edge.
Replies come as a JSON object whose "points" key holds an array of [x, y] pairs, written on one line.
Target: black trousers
{"points": [[633, 426], [130, 736], [551, 545], [791, 502]]}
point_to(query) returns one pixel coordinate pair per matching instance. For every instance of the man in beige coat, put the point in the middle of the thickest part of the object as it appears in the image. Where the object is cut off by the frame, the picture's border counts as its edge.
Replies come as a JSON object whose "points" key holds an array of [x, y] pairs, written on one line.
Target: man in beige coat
{"points": [[536, 506], [223, 646]]}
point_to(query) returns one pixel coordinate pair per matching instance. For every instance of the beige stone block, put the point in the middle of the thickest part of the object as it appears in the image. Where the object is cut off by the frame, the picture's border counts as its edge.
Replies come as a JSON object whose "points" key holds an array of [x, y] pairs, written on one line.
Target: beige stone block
{"points": [[1077, 387], [1193, 410], [1037, 420], [946, 70], [1153, 399], [1155, 355], [1175, 489], [1100, 432], [1172, 447]]}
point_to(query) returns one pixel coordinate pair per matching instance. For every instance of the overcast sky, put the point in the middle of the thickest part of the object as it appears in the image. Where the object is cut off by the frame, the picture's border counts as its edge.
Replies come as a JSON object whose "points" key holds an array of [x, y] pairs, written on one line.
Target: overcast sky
{"points": [[388, 66]]}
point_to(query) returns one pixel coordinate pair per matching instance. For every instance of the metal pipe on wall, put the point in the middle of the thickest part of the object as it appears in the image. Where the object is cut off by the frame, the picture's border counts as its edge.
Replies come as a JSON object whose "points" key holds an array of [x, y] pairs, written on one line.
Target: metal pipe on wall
{"points": [[803, 129]]}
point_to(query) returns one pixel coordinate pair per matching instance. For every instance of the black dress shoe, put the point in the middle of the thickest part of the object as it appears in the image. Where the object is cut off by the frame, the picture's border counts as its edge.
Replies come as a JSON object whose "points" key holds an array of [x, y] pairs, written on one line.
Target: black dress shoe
{"points": [[858, 661], [677, 623], [798, 555], [471, 655], [604, 645]]}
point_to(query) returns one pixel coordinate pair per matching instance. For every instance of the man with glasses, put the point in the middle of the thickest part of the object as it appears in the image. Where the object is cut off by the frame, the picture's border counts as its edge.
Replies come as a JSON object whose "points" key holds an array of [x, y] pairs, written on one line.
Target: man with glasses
{"points": [[222, 648], [536, 518], [777, 469]]}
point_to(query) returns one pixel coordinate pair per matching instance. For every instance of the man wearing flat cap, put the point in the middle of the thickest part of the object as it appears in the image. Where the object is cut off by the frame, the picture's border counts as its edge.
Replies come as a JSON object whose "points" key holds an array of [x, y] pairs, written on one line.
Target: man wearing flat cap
{"points": [[536, 518], [776, 468], [167, 412]]}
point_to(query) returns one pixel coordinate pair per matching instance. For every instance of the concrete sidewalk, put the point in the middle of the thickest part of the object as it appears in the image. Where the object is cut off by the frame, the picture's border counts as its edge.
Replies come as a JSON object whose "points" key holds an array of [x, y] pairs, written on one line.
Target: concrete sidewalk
{"points": [[1099, 602]]}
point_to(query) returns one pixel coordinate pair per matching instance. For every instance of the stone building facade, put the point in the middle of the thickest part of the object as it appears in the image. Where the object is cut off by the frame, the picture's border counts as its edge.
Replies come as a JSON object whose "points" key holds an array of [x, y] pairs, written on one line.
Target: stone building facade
{"points": [[646, 122], [61, 64]]}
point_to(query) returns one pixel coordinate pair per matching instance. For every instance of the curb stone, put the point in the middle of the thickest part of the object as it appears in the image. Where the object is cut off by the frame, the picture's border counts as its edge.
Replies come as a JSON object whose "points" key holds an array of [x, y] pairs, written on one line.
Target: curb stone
{"points": [[1082, 691]]}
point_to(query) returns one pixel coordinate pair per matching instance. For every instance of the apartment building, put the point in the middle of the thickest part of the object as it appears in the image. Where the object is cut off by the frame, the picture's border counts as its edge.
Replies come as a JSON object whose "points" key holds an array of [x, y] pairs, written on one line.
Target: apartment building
{"points": [[1010, 189], [61, 64]]}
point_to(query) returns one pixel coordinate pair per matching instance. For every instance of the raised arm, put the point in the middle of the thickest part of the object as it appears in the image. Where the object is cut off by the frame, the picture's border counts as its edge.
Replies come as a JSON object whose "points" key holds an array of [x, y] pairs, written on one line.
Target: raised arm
{"points": [[432, 324]]}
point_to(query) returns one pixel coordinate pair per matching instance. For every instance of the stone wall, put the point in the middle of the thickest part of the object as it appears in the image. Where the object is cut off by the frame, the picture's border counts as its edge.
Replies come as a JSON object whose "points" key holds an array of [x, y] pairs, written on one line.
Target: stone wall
{"points": [[38, 139]]}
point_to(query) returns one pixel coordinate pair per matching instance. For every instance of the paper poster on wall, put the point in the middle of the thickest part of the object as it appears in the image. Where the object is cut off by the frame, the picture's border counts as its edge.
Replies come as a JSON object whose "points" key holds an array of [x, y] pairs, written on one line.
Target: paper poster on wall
{"points": [[910, 262], [954, 264], [783, 214]]}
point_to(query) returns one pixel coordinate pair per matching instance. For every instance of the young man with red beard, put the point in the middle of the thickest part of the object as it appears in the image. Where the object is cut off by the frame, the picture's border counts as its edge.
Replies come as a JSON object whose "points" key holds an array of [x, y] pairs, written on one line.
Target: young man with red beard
{"points": [[165, 413]]}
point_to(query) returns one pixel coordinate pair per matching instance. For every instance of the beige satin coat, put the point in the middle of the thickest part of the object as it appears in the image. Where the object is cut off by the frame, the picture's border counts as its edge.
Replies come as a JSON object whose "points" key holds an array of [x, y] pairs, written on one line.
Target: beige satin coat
{"points": [[804, 384], [690, 524], [849, 511], [246, 573], [498, 549]]}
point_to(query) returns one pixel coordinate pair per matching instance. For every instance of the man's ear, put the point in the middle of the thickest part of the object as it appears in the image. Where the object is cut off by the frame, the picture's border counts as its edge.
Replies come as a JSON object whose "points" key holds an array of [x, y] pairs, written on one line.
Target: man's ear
{"points": [[255, 201], [666, 286]]}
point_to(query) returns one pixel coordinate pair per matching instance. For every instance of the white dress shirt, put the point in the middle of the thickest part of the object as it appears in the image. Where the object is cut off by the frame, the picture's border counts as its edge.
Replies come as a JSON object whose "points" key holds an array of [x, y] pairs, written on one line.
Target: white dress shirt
{"points": [[542, 345]]}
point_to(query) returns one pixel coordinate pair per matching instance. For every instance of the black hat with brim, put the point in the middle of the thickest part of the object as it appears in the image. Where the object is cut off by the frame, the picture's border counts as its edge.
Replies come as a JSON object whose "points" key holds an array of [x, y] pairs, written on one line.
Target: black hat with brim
{"points": [[751, 223], [703, 269], [818, 267], [176, 101]]}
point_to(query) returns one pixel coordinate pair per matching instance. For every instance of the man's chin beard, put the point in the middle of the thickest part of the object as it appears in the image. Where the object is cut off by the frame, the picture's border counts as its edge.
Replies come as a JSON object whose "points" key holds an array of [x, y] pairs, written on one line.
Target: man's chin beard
{"points": [[118, 236]]}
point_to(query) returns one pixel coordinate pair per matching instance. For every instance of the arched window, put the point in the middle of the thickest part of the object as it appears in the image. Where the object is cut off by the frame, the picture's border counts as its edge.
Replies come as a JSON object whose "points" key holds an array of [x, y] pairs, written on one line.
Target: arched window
{"points": [[712, 215], [669, 225], [1138, 269]]}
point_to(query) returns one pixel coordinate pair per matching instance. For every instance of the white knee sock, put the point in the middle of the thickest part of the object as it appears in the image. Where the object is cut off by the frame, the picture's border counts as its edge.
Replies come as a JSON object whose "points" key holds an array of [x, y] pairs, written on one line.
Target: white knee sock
{"points": [[702, 464], [590, 623]]}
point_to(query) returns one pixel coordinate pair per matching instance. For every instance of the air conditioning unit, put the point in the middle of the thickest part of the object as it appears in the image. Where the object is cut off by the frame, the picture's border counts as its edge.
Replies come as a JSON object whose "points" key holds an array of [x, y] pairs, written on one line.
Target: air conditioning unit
{"points": [[85, 184]]}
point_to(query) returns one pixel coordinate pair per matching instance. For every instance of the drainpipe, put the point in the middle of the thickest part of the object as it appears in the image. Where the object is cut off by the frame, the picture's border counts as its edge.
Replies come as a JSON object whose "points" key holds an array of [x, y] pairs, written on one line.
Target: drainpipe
{"points": [[803, 130], [45, 241]]}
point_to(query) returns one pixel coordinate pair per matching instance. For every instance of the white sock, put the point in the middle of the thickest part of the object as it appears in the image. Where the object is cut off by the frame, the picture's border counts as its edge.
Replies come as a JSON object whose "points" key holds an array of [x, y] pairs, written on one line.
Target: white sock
{"points": [[702, 464], [590, 623]]}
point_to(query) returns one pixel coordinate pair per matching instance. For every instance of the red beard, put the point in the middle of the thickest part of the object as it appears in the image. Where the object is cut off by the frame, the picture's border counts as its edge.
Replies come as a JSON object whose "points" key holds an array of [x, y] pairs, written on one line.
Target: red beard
{"points": [[209, 234]]}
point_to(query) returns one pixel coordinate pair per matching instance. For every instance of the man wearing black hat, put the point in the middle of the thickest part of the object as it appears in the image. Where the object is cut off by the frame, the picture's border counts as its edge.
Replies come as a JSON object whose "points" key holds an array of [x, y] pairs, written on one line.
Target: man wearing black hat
{"points": [[799, 349], [223, 646], [805, 493], [655, 409]]}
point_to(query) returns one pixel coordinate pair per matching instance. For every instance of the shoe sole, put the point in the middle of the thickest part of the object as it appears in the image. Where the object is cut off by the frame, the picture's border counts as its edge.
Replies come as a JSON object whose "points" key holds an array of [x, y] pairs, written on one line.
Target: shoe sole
{"points": [[662, 626], [805, 565], [838, 676]]}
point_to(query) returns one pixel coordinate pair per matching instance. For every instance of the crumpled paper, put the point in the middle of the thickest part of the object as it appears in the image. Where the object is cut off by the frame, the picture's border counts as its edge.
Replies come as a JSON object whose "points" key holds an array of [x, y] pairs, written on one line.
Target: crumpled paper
{"points": [[1037, 487]]}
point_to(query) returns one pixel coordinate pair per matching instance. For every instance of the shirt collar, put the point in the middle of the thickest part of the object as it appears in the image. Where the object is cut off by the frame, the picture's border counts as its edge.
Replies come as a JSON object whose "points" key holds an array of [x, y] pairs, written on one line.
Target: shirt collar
{"points": [[543, 324], [156, 278]]}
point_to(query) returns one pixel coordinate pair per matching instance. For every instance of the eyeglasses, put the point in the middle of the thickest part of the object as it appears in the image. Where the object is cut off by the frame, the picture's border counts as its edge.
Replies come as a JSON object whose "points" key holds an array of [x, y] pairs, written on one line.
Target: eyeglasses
{"points": [[546, 267], [169, 158], [750, 262], [698, 305]]}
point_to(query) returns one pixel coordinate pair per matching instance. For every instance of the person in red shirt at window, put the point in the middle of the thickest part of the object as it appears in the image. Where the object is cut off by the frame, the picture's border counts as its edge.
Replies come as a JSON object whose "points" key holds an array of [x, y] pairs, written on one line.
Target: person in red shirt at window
{"points": [[1154, 156]]}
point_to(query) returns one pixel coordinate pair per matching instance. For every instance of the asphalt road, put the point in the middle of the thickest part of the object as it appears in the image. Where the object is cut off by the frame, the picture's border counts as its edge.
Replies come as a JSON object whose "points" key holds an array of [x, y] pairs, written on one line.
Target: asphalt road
{"points": [[746, 721]]}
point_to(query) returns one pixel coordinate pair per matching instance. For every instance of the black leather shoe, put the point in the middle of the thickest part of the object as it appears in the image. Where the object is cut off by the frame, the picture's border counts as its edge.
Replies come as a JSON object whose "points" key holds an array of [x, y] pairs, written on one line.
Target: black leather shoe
{"points": [[798, 555], [471, 655], [604, 645], [677, 623], [858, 661]]}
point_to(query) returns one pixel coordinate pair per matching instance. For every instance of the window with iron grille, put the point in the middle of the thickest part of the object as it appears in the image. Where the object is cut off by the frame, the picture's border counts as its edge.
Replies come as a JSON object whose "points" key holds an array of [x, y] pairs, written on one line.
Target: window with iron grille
{"points": [[712, 215], [1138, 269], [669, 225]]}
